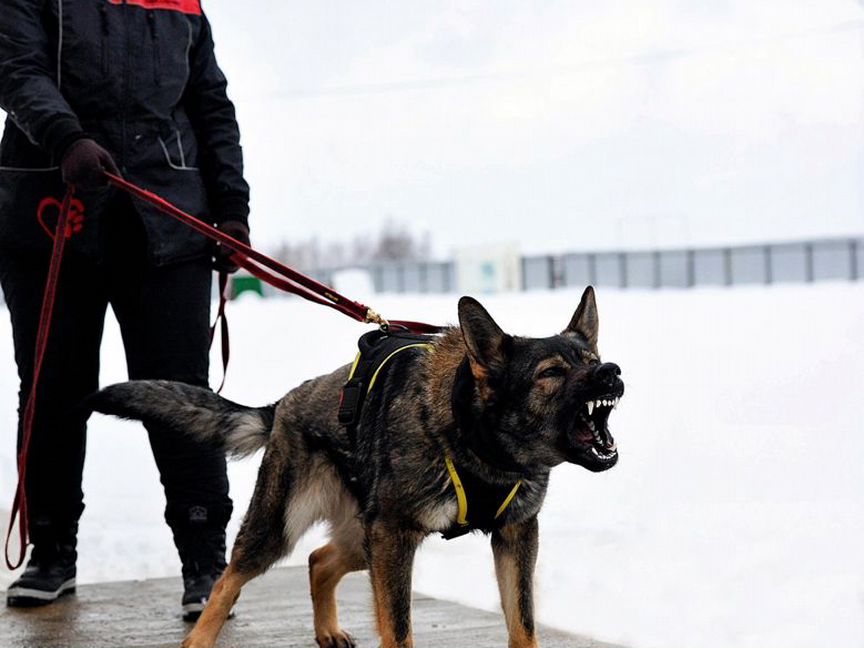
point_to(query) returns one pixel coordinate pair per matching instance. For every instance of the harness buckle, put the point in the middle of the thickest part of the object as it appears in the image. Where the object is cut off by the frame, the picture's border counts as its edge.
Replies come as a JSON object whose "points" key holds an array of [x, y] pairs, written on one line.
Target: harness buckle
{"points": [[349, 402]]}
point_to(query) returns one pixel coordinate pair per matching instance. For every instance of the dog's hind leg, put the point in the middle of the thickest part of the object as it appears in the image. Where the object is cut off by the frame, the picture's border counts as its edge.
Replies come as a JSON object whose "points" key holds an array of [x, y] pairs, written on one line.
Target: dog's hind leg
{"points": [[515, 550], [327, 566], [262, 540], [222, 599], [390, 553]]}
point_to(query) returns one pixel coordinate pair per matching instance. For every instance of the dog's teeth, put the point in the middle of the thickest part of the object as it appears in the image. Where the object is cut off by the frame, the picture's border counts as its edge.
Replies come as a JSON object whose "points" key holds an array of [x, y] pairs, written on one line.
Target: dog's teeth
{"points": [[590, 407], [602, 455]]}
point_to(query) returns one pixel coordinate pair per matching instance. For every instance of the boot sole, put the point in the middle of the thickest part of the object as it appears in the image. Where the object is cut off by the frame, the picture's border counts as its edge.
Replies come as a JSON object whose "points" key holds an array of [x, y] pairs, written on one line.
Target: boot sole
{"points": [[191, 611], [29, 597]]}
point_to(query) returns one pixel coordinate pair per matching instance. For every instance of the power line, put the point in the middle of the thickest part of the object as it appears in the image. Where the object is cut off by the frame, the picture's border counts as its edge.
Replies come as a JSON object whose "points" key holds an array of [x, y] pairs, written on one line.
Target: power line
{"points": [[645, 59]]}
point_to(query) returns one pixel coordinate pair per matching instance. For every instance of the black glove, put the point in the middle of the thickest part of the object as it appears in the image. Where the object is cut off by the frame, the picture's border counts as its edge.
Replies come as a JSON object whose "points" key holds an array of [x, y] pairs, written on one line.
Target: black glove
{"points": [[237, 230], [84, 164]]}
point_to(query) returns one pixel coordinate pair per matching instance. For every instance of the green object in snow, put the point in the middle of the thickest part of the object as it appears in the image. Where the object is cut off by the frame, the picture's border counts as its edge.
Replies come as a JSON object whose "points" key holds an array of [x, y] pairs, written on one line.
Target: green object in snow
{"points": [[246, 284]]}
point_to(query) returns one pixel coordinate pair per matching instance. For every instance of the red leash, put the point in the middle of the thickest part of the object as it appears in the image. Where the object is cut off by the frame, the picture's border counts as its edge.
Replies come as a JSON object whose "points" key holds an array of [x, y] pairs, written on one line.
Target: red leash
{"points": [[19, 505], [259, 265], [268, 269]]}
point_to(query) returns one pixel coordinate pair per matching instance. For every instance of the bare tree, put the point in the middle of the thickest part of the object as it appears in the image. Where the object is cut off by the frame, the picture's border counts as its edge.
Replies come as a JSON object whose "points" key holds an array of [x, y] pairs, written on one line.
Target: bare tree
{"points": [[394, 242]]}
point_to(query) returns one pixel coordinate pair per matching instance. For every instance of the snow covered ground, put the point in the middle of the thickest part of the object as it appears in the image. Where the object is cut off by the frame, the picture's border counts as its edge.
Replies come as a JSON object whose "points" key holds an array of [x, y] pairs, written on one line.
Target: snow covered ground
{"points": [[734, 519]]}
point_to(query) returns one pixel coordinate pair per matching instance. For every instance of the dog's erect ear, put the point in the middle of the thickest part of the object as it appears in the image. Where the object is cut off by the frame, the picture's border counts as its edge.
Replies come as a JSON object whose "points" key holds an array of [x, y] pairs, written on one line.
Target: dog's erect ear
{"points": [[585, 321], [483, 337]]}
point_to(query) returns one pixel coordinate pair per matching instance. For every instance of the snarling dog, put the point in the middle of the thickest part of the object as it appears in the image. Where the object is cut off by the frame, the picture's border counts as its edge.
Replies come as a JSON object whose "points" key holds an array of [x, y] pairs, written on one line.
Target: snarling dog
{"points": [[476, 421]]}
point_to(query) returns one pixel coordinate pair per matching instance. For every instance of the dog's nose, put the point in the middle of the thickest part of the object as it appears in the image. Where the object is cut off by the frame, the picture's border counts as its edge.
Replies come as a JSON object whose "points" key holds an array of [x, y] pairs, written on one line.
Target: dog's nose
{"points": [[607, 372]]}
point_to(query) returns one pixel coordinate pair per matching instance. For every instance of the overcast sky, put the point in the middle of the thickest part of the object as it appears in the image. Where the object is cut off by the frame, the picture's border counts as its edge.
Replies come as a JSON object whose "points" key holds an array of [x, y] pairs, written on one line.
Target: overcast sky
{"points": [[568, 124], [561, 125]]}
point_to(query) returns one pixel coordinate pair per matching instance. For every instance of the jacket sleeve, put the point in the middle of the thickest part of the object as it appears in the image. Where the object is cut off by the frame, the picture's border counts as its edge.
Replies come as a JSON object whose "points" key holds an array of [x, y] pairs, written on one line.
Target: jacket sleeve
{"points": [[28, 78], [212, 115]]}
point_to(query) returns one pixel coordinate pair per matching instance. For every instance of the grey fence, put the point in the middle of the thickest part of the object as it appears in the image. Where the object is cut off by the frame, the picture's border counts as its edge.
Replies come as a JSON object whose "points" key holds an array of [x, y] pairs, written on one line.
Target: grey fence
{"points": [[413, 277], [423, 277], [805, 261], [837, 259], [801, 262]]}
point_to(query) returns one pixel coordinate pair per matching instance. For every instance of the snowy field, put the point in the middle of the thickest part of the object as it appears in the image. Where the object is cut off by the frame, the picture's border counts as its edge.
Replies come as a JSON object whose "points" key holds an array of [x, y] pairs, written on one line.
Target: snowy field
{"points": [[734, 519]]}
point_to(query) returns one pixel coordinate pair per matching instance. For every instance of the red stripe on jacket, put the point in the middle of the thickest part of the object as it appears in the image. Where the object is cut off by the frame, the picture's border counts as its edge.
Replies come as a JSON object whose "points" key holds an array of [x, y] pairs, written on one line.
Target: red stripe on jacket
{"points": [[192, 7]]}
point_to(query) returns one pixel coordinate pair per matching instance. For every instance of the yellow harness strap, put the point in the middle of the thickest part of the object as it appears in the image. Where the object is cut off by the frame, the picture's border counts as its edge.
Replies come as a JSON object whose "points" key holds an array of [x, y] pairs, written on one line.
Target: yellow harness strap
{"points": [[419, 345], [354, 366], [462, 517], [422, 345], [462, 499], [509, 499]]}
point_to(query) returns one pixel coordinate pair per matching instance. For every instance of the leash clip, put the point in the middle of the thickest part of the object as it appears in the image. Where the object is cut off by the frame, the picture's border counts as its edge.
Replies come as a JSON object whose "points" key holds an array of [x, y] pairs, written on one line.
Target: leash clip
{"points": [[374, 318]]}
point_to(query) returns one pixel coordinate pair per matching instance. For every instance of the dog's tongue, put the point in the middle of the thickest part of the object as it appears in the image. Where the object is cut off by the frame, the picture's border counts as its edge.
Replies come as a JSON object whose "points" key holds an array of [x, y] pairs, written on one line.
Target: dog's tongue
{"points": [[584, 436]]}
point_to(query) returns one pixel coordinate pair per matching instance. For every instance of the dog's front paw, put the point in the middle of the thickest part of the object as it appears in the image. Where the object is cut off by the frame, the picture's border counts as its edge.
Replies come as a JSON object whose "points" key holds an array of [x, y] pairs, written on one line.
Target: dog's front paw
{"points": [[192, 641], [338, 639]]}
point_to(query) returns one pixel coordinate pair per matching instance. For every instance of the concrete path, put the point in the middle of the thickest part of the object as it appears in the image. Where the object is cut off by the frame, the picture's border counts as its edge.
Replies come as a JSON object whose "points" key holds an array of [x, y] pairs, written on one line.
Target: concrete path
{"points": [[274, 610]]}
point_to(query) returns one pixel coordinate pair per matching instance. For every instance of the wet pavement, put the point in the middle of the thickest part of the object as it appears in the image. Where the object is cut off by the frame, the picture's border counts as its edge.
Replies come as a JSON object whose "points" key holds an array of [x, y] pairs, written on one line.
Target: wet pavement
{"points": [[273, 610]]}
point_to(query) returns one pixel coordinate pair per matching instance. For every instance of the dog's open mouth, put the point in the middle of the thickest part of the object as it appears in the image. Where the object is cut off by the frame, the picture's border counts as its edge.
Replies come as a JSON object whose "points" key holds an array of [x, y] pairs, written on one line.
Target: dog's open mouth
{"points": [[592, 435]]}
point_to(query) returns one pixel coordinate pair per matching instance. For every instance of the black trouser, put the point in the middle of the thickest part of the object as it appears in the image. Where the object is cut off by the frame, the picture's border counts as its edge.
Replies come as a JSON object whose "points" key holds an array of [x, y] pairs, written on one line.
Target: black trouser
{"points": [[163, 314]]}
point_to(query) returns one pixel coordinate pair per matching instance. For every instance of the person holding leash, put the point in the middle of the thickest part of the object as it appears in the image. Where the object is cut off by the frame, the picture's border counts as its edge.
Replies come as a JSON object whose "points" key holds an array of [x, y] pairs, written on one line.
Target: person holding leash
{"points": [[130, 87]]}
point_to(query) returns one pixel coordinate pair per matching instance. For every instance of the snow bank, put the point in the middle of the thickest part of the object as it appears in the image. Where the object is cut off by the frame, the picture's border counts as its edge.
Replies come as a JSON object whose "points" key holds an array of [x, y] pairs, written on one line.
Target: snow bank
{"points": [[734, 519]]}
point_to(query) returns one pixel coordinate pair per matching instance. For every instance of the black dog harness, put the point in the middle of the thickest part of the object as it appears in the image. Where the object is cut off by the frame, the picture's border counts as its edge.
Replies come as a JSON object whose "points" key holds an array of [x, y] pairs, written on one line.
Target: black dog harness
{"points": [[376, 348]]}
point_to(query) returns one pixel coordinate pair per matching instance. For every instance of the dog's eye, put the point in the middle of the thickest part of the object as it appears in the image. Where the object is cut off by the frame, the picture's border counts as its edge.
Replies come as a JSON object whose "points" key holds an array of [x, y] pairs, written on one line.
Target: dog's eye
{"points": [[553, 372]]}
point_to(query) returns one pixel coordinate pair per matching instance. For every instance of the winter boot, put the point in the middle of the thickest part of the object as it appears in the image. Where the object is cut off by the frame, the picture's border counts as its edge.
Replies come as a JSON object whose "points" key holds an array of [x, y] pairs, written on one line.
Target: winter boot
{"points": [[200, 541], [50, 572]]}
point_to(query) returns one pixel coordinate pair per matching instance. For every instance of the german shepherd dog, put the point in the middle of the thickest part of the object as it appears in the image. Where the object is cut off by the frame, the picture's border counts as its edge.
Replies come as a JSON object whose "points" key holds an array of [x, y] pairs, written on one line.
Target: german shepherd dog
{"points": [[501, 408]]}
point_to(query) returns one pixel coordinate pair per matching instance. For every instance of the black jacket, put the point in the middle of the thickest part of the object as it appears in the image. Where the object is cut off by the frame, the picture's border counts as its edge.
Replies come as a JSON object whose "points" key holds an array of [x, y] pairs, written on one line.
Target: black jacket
{"points": [[138, 76]]}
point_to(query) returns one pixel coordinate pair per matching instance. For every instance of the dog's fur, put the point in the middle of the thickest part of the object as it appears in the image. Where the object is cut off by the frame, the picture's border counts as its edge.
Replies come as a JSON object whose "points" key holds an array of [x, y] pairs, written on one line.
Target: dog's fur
{"points": [[503, 408]]}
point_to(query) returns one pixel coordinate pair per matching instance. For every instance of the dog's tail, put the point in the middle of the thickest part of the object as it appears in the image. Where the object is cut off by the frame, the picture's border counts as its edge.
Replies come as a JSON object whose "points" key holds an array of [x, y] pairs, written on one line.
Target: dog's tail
{"points": [[196, 411]]}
